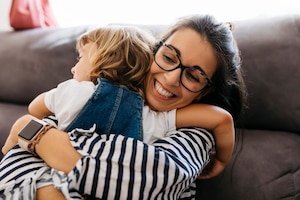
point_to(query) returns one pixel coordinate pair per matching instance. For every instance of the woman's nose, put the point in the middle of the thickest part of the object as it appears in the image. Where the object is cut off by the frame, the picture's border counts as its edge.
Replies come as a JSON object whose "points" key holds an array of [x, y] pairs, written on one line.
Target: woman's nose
{"points": [[173, 77]]}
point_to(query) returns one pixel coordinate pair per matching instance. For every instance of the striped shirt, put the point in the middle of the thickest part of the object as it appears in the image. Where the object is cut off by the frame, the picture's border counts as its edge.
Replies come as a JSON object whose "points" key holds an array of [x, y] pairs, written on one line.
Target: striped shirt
{"points": [[116, 167]]}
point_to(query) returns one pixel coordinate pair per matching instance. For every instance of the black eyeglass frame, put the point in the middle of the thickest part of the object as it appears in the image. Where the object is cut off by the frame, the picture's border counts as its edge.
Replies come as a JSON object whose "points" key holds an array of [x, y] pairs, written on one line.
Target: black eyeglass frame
{"points": [[182, 67]]}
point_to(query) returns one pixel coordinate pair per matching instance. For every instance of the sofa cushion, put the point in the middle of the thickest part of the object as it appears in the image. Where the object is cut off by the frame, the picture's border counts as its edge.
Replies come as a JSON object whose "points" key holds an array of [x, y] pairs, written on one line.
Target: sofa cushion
{"points": [[270, 50], [35, 60], [265, 165]]}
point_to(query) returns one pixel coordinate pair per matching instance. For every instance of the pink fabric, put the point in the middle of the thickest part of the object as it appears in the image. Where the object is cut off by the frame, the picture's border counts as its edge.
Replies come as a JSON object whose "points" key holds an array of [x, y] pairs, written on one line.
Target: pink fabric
{"points": [[27, 14]]}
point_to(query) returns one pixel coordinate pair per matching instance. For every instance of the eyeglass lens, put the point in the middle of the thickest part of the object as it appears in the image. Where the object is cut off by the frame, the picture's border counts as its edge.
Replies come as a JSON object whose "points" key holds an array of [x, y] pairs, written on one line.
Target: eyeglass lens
{"points": [[192, 78]]}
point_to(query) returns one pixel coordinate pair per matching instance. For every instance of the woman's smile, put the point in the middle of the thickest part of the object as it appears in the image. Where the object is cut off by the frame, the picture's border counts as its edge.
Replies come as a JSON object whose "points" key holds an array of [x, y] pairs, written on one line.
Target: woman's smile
{"points": [[162, 92]]}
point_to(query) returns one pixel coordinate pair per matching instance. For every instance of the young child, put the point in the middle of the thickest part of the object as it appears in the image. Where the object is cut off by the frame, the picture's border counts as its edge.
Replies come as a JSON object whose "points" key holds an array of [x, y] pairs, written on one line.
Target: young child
{"points": [[111, 58]]}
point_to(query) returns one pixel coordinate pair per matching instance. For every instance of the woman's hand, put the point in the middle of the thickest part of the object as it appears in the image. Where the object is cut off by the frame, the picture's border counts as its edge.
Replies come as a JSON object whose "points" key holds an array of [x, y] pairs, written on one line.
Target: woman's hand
{"points": [[54, 146], [212, 169], [12, 138]]}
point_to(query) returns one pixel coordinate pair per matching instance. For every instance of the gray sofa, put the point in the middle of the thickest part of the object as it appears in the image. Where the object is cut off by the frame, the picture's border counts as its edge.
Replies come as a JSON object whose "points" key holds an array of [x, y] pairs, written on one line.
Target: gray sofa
{"points": [[266, 160]]}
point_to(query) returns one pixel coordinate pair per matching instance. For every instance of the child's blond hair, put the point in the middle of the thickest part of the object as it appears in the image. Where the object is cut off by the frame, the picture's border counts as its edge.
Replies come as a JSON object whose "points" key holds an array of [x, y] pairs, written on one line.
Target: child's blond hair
{"points": [[123, 56]]}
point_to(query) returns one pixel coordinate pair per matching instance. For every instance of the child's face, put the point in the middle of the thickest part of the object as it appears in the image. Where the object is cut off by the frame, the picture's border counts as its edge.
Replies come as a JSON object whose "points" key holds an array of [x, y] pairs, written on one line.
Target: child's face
{"points": [[81, 71]]}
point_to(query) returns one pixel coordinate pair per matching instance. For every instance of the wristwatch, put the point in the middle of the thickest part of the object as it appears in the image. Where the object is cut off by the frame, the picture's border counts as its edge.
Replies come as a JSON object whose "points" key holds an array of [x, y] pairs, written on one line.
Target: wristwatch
{"points": [[31, 134]]}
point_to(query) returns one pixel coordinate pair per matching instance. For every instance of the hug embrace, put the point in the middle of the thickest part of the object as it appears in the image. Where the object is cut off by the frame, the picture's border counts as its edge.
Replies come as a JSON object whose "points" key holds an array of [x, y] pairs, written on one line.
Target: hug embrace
{"points": [[147, 91]]}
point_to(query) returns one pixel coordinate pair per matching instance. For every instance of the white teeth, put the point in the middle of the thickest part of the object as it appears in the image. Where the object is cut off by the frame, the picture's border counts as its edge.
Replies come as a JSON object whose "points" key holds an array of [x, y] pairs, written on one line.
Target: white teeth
{"points": [[161, 91]]}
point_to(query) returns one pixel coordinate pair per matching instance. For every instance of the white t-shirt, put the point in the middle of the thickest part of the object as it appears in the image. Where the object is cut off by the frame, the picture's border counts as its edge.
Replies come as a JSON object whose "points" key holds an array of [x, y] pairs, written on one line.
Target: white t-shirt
{"points": [[69, 97], [157, 124]]}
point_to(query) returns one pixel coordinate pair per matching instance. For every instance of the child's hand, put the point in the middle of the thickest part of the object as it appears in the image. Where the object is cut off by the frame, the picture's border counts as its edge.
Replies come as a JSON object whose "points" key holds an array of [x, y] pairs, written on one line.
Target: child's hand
{"points": [[212, 169]]}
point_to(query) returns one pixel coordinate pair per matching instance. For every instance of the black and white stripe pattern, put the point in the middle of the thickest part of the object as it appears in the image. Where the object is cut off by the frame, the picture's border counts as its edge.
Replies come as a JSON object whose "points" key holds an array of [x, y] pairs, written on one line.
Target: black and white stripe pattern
{"points": [[124, 168], [21, 173], [116, 167]]}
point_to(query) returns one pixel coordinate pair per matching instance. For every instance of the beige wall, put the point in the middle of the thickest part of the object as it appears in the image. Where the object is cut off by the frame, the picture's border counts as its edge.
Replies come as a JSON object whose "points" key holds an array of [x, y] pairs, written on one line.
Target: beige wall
{"points": [[4, 13]]}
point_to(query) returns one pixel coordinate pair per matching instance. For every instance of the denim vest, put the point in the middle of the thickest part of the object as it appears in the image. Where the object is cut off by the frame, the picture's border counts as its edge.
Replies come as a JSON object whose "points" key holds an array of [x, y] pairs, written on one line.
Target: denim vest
{"points": [[114, 109]]}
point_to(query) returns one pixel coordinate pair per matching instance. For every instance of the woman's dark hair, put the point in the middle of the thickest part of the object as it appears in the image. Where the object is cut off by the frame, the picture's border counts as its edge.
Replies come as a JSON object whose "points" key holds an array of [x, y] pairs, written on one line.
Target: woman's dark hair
{"points": [[228, 89]]}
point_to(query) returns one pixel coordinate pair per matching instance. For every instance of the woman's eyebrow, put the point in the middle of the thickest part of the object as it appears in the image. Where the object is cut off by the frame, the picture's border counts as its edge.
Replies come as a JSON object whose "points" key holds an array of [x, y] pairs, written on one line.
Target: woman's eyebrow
{"points": [[176, 50], [200, 69], [179, 55]]}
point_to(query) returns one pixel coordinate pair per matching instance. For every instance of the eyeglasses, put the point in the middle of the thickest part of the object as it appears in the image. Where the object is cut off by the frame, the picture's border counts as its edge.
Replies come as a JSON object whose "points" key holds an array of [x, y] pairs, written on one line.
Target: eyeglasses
{"points": [[194, 79]]}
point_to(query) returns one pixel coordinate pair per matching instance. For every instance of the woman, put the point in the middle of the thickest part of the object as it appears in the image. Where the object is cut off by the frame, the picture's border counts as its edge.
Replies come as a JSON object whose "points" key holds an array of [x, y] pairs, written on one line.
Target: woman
{"points": [[198, 42]]}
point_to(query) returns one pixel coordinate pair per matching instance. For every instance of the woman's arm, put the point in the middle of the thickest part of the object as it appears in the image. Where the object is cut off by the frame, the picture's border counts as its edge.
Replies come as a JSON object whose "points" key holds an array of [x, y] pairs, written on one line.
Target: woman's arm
{"points": [[38, 107], [54, 147], [118, 165], [12, 138], [213, 118], [56, 150], [169, 165]]}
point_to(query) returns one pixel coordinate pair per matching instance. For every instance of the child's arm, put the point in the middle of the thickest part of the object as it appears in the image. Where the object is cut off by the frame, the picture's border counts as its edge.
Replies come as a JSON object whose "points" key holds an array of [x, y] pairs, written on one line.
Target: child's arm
{"points": [[213, 118], [38, 107]]}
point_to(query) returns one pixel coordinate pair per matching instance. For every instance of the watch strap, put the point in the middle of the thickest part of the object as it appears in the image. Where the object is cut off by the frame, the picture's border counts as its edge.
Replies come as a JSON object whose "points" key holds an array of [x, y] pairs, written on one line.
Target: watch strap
{"points": [[29, 145]]}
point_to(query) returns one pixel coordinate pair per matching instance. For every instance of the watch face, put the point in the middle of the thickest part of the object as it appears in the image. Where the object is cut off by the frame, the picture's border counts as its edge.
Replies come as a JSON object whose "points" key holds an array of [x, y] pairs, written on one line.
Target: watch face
{"points": [[30, 130]]}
